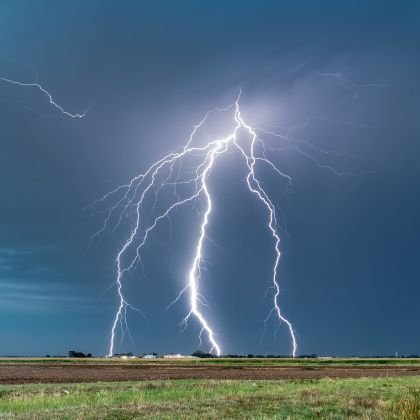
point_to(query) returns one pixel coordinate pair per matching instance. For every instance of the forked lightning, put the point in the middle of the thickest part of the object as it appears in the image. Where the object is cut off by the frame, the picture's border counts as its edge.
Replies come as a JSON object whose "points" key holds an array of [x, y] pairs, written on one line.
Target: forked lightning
{"points": [[172, 170]]}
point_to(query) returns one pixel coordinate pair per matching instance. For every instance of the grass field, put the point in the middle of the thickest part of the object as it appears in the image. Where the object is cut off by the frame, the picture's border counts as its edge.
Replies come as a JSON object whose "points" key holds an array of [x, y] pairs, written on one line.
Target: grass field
{"points": [[397, 398], [387, 397]]}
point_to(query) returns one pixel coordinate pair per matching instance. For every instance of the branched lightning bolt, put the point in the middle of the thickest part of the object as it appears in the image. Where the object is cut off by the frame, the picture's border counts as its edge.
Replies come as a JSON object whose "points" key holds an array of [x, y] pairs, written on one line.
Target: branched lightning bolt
{"points": [[255, 186], [186, 173], [173, 171]]}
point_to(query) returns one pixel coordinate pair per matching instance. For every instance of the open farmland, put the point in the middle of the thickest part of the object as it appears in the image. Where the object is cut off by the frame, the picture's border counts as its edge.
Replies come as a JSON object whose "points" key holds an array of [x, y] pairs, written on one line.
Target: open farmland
{"points": [[211, 388], [20, 371]]}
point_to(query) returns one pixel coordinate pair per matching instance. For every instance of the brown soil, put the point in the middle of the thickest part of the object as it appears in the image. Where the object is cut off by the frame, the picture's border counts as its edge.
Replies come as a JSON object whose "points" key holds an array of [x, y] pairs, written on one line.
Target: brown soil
{"points": [[74, 372]]}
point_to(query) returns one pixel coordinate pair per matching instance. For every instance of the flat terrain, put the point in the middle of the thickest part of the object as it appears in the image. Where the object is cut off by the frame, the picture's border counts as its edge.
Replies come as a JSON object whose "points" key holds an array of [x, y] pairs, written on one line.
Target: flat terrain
{"points": [[26, 371], [209, 388], [367, 398]]}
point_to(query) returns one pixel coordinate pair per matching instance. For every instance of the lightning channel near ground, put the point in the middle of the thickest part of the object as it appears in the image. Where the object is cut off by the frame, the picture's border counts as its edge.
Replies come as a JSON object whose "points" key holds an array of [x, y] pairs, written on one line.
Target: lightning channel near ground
{"points": [[187, 173], [172, 170]]}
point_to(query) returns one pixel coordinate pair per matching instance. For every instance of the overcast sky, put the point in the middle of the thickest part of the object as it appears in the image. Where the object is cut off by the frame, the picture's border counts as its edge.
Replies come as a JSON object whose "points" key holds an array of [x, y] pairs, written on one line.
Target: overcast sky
{"points": [[148, 71]]}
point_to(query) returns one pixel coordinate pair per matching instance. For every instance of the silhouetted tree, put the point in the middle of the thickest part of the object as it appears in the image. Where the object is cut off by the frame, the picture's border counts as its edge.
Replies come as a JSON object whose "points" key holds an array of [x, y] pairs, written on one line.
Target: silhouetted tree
{"points": [[78, 354], [202, 354]]}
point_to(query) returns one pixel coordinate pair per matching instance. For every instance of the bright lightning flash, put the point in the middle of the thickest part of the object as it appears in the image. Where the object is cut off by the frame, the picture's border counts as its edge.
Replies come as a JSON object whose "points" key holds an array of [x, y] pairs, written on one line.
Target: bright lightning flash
{"points": [[171, 170], [189, 171]]}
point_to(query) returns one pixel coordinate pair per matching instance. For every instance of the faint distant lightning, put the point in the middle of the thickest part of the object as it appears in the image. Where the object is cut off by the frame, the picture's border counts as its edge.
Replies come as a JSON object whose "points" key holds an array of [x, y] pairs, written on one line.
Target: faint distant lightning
{"points": [[46, 93], [169, 171], [351, 85]]}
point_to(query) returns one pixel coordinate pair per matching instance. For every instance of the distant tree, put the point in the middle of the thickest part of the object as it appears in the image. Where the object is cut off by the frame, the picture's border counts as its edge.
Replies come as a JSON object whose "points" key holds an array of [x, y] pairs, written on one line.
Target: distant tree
{"points": [[308, 356], [47, 355], [250, 356], [198, 353], [202, 354], [78, 354]]}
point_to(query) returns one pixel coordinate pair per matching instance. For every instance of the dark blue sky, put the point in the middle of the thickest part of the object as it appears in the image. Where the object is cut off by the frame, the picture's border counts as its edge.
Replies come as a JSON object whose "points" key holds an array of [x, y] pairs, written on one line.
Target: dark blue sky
{"points": [[149, 70]]}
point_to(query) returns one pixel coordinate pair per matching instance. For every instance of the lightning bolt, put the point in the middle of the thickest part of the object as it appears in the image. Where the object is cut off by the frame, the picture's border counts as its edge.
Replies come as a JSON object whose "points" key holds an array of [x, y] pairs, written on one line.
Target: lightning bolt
{"points": [[47, 94], [186, 173], [175, 170], [39, 87]]}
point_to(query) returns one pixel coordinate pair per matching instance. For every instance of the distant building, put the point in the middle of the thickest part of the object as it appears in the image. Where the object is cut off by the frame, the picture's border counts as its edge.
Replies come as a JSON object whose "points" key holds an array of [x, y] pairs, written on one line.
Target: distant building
{"points": [[150, 356], [124, 355], [178, 356], [173, 356]]}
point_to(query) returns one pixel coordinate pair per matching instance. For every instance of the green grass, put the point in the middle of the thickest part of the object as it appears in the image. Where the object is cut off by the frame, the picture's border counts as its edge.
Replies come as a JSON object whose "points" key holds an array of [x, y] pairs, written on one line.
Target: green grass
{"points": [[382, 398]]}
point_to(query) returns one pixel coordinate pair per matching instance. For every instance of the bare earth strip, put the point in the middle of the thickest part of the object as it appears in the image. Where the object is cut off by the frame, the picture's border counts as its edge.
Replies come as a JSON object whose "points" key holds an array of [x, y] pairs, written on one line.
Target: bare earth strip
{"points": [[73, 372]]}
